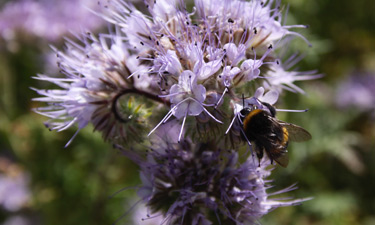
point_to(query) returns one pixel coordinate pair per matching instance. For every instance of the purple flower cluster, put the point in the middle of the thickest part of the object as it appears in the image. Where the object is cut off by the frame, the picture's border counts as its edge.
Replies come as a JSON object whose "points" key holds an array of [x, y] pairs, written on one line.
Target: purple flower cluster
{"points": [[14, 190], [47, 19], [357, 91], [188, 183], [196, 70]]}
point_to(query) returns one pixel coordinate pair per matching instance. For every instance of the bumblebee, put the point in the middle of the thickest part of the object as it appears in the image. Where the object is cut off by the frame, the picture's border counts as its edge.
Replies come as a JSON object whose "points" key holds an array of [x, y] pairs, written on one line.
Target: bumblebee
{"points": [[270, 135]]}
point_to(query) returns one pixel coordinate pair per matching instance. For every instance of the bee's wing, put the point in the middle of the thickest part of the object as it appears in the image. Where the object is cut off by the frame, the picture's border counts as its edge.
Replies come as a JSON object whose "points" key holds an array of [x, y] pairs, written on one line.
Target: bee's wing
{"points": [[283, 160], [296, 133]]}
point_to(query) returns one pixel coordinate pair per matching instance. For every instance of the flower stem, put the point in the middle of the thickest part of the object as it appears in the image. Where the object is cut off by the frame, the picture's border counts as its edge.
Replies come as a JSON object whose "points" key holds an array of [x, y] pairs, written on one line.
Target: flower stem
{"points": [[134, 91]]}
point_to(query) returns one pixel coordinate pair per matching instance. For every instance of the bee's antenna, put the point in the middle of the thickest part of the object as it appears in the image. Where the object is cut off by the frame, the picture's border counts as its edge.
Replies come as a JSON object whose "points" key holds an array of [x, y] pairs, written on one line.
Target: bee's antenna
{"points": [[243, 101]]}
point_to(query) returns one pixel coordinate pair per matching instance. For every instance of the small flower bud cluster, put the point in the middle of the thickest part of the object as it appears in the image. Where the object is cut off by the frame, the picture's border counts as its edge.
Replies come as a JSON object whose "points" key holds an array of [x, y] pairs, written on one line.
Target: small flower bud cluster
{"points": [[198, 69]]}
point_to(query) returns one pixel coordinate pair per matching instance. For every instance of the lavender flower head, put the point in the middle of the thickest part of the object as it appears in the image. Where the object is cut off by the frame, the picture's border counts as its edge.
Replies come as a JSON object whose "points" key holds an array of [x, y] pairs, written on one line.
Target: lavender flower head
{"points": [[187, 183], [14, 190], [358, 91], [48, 19], [196, 70]]}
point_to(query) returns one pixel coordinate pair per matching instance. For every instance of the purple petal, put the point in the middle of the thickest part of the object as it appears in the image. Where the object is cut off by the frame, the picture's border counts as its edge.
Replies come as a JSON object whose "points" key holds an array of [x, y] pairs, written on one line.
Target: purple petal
{"points": [[270, 97]]}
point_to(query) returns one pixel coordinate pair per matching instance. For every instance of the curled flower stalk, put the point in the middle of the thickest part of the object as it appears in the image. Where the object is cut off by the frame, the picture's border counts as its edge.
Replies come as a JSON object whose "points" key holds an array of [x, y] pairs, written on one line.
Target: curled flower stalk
{"points": [[94, 86], [214, 72]]}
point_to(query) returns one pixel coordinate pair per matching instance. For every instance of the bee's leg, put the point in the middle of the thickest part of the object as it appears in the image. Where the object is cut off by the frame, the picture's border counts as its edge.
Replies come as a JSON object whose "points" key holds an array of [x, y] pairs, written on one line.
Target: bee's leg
{"points": [[270, 156], [259, 154], [248, 142], [244, 135]]}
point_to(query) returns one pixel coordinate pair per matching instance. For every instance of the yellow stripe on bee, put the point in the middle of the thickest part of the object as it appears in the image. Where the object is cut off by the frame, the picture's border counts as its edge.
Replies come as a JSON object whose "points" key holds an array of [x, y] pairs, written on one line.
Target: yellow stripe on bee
{"points": [[249, 116], [285, 136]]}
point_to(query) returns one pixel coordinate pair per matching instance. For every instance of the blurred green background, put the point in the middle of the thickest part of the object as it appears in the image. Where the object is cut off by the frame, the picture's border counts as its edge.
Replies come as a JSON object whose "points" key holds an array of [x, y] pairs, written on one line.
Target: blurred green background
{"points": [[73, 185]]}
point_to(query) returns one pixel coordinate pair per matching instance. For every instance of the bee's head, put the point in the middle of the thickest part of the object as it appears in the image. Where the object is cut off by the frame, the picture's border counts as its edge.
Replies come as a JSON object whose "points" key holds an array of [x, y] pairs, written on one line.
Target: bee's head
{"points": [[247, 110], [253, 104], [264, 106]]}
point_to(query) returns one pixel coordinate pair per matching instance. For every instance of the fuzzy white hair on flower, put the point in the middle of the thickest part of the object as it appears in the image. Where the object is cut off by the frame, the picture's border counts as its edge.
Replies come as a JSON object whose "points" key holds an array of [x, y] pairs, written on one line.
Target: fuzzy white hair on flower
{"points": [[193, 52], [205, 70], [167, 63], [234, 53], [227, 75], [270, 97], [187, 95], [225, 78], [279, 78], [162, 10], [250, 67], [187, 99]]}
